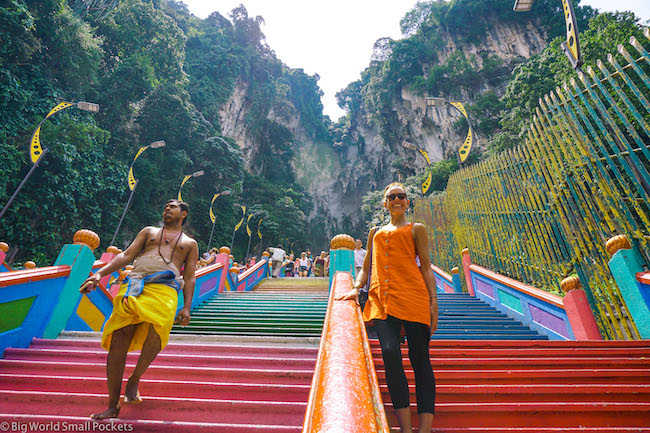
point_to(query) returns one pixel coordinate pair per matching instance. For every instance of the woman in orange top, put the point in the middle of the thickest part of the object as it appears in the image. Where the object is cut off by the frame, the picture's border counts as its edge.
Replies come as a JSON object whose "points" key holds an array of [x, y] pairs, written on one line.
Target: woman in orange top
{"points": [[402, 295]]}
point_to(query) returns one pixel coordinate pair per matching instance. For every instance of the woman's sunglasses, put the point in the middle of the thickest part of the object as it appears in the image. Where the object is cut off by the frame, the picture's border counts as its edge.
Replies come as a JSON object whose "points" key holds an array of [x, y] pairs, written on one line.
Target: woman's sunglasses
{"points": [[401, 196]]}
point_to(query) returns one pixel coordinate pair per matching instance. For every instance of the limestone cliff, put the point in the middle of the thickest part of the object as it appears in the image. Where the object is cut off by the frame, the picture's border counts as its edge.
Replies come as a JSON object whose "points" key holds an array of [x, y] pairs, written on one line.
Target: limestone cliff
{"points": [[338, 175]]}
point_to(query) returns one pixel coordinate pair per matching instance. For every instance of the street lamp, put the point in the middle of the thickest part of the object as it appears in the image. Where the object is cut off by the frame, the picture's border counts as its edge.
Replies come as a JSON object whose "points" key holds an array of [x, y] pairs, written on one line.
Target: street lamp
{"points": [[463, 151], [186, 178], [213, 217], [571, 46], [427, 182], [36, 152], [133, 183]]}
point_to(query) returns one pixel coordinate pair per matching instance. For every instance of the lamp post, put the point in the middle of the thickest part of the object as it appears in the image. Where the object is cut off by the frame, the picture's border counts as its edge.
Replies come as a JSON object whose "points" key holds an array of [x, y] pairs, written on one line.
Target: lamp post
{"points": [[463, 151], [186, 178], [213, 217], [427, 182], [36, 152], [571, 46], [133, 183]]}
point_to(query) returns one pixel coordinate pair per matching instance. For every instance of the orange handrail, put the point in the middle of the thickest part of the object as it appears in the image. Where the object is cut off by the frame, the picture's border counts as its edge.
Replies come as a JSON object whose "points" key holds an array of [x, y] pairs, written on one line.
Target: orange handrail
{"points": [[28, 275], [249, 271], [207, 269], [344, 394]]}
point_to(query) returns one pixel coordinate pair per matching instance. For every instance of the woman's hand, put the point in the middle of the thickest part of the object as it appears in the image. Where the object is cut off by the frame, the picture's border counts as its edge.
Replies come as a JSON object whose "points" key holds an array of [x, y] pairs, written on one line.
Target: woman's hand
{"points": [[434, 318], [352, 294]]}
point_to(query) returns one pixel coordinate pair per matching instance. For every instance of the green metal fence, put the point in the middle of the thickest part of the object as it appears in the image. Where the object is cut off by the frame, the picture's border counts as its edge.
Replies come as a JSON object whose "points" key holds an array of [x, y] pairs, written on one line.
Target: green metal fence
{"points": [[545, 210]]}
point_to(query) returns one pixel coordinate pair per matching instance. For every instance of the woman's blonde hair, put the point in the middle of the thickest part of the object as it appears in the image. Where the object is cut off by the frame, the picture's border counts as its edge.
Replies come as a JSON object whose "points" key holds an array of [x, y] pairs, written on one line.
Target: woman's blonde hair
{"points": [[392, 185]]}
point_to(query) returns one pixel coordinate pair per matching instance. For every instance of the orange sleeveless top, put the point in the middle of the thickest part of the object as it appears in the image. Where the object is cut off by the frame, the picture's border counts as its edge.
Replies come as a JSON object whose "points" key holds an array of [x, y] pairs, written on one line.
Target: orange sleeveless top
{"points": [[396, 287]]}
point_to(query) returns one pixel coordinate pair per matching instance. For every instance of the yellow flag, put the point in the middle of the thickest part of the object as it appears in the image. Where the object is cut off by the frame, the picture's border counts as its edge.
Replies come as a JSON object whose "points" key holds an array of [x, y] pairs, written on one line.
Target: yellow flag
{"points": [[426, 155], [464, 150], [243, 208], [185, 179], [426, 184], [131, 177], [248, 230], [213, 217], [259, 233], [466, 147], [460, 107], [571, 34], [35, 149]]}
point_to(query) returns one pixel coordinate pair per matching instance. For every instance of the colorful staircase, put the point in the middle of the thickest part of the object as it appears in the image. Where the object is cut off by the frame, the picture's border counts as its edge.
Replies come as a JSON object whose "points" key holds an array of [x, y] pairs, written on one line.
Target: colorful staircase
{"points": [[242, 381], [502, 382], [461, 316], [292, 307]]}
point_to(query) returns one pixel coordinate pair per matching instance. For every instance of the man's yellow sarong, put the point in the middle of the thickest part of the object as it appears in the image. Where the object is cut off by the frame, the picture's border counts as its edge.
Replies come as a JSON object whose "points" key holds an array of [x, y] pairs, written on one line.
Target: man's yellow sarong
{"points": [[156, 305]]}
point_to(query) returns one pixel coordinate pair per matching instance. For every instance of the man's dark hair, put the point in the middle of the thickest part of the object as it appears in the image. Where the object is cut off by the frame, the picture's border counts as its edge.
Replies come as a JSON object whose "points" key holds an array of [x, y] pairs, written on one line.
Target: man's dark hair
{"points": [[184, 207], [280, 246]]}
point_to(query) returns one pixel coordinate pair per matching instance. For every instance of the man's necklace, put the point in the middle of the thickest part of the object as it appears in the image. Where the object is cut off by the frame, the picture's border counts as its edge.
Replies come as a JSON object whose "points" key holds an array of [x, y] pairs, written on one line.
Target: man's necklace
{"points": [[179, 234]]}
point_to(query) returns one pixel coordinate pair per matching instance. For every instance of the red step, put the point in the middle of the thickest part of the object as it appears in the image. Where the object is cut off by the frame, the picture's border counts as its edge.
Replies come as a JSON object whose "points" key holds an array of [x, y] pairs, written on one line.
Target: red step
{"points": [[534, 386], [230, 388]]}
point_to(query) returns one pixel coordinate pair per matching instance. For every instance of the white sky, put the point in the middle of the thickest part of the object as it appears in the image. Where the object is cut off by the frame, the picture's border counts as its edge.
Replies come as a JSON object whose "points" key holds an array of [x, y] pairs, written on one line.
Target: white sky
{"points": [[334, 38]]}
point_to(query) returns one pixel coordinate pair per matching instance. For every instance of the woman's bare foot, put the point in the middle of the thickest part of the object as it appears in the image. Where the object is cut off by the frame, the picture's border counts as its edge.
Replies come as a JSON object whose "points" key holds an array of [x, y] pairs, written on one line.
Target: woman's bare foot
{"points": [[131, 392], [111, 412]]}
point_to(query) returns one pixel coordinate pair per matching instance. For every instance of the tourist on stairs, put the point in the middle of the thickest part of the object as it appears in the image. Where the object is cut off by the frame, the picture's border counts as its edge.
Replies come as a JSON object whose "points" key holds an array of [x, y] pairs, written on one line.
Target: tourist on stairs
{"points": [[319, 265], [401, 295], [304, 265], [144, 308]]}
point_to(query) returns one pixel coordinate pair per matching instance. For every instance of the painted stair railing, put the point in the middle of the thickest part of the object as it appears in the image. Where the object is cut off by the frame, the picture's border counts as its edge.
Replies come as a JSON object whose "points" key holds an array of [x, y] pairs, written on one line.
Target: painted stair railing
{"points": [[219, 383], [42, 302]]}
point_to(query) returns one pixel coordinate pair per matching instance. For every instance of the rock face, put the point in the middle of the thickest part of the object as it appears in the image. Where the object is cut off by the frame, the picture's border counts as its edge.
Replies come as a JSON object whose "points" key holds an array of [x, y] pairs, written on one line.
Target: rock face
{"points": [[338, 178]]}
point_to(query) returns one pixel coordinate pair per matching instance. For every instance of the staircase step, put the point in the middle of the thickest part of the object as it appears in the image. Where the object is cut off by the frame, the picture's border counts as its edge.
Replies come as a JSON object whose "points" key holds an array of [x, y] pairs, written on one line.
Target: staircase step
{"points": [[159, 387], [159, 408], [528, 393], [78, 423], [269, 374], [164, 358]]}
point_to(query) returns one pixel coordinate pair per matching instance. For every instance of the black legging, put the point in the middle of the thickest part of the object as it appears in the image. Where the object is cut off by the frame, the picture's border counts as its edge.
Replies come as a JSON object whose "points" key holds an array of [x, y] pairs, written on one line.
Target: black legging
{"points": [[418, 338]]}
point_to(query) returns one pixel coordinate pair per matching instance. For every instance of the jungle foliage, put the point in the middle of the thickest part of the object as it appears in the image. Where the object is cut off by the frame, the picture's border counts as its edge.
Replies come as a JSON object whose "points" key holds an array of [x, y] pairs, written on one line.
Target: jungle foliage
{"points": [[158, 73]]}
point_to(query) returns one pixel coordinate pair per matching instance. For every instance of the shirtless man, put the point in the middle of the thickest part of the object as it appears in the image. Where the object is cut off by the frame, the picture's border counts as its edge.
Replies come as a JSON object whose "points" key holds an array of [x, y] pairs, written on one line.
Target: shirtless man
{"points": [[144, 309]]}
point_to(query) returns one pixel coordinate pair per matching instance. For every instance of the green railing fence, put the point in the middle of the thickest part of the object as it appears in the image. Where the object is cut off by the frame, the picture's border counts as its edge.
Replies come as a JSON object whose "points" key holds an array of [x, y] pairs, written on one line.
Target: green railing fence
{"points": [[545, 210]]}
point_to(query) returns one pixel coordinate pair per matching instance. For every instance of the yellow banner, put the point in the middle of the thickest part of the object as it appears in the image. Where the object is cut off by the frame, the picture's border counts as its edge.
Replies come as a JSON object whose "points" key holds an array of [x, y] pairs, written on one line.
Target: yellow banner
{"points": [[248, 230], [571, 32], [426, 184], [460, 107], [243, 208], [426, 155], [185, 179], [213, 217], [35, 149], [259, 233], [466, 147]]}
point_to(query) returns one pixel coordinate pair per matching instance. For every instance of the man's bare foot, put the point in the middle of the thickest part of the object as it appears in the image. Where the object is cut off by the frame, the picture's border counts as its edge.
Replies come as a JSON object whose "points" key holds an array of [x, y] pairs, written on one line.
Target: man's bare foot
{"points": [[111, 412], [131, 392]]}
